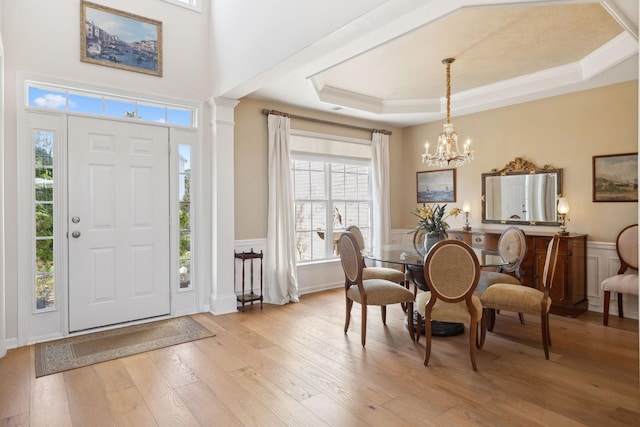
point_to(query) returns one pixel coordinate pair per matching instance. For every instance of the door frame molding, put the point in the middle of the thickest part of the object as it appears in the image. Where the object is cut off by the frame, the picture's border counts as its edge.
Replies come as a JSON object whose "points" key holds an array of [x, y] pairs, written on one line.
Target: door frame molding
{"points": [[50, 324], [3, 321]]}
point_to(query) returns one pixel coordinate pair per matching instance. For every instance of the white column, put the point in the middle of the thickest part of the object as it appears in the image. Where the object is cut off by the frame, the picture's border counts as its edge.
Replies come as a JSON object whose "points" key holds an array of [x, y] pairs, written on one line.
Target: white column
{"points": [[3, 321], [222, 298]]}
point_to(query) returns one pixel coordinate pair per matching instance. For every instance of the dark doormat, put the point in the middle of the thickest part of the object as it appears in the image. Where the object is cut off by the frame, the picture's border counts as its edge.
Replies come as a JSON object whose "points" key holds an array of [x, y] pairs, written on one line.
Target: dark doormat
{"points": [[84, 350]]}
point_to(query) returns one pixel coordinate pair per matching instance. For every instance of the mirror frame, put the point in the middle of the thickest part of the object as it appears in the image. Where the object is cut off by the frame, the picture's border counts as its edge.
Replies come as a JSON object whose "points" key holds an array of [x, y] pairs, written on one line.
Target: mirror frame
{"points": [[519, 167]]}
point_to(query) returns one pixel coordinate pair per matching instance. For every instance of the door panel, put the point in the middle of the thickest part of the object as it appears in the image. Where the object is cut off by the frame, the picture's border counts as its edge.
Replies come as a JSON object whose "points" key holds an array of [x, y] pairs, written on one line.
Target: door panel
{"points": [[119, 246]]}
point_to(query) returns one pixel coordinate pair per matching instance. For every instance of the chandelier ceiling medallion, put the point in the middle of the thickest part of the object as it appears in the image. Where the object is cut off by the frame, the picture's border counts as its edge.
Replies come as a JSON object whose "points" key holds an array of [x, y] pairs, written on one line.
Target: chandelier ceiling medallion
{"points": [[447, 150]]}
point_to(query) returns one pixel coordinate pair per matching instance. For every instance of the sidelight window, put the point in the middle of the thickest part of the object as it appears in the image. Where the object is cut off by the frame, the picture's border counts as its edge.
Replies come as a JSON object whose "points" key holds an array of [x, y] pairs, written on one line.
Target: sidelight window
{"points": [[43, 141], [184, 214]]}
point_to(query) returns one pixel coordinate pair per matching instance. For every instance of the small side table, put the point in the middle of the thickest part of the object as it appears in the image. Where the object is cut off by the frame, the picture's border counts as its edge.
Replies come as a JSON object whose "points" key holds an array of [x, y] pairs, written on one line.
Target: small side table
{"points": [[248, 297]]}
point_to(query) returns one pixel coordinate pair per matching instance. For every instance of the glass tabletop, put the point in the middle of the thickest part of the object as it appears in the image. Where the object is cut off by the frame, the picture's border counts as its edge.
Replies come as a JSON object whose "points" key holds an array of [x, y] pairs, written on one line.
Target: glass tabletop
{"points": [[406, 254]]}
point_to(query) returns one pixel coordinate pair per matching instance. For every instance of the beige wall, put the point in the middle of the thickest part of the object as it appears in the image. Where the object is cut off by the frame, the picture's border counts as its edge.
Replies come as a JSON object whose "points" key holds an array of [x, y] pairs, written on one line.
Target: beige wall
{"points": [[251, 140], [563, 131]]}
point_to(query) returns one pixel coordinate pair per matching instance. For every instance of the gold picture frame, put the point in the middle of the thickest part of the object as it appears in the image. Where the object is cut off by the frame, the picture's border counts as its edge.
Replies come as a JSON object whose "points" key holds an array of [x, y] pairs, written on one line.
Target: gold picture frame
{"points": [[118, 39]]}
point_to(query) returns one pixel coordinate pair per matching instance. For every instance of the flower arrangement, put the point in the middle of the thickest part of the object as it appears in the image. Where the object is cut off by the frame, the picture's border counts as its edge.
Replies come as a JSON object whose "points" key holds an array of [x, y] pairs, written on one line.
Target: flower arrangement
{"points": [[432, 217]]}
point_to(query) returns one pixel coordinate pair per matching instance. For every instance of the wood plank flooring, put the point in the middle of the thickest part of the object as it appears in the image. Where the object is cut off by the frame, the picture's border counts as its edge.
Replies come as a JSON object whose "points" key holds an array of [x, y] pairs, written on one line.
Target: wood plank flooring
{"points": [[293, 366]]}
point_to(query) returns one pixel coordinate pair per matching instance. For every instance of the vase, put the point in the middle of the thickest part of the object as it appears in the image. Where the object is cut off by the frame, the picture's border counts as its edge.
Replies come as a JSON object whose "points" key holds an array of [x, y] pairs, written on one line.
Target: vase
{"points": [[433, 237]]}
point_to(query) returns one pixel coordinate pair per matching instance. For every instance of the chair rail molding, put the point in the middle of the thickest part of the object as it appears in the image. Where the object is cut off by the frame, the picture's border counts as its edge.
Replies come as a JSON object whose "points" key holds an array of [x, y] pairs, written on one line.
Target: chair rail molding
{"points": [[602, 261]]}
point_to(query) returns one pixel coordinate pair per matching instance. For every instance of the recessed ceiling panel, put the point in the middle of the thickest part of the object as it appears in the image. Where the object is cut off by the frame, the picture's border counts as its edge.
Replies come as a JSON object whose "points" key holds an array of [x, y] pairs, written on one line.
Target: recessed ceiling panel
{"points": [[490, 44]]}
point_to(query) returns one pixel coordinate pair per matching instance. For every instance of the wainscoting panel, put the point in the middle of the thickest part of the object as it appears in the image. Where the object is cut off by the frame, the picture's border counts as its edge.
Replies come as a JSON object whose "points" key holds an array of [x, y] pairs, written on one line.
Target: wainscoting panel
{"points": [[602, 262], [312, 277]]}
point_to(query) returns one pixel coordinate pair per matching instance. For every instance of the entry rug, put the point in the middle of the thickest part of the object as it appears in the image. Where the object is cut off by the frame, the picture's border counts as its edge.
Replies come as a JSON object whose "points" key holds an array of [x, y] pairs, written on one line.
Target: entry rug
{"points": [[83, 350]]}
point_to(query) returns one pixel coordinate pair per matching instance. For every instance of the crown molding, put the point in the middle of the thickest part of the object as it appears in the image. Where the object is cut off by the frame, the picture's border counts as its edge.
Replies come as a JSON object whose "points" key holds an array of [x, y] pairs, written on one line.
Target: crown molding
{"points": [[495, 95]]}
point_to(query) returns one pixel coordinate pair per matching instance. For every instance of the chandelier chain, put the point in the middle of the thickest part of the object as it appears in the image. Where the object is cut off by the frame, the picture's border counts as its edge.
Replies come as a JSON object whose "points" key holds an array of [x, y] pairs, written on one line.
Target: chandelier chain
{"points": [[449, 92]]}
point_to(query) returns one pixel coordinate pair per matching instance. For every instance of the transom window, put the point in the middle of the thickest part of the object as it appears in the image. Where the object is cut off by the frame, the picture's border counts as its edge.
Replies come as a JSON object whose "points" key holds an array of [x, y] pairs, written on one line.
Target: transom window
{"points": [[101, 104], [190, 4]]}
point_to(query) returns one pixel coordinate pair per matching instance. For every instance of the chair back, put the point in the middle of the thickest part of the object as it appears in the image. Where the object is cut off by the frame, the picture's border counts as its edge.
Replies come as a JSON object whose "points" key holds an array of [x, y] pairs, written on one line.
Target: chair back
{"points": [[550, 261], [351, 259], [451, 270], [627, 247], [357, 233], [418, 240], [512, 247]]}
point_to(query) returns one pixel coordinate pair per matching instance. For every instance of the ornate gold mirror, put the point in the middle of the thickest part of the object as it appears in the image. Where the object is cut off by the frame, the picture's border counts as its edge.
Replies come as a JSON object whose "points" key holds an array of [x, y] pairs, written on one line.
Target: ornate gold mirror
{"points": [[521, 193]]}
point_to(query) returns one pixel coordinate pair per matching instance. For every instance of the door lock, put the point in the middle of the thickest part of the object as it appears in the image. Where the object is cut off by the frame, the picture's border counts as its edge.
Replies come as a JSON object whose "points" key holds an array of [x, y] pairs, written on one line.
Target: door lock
{"points": [[75, 219]]}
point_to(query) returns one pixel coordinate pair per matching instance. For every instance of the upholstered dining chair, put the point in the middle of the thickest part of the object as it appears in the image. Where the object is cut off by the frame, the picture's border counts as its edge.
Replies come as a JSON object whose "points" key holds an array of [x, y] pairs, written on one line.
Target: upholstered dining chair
{"points": [[523, 299], [385, 273], [416, 272], [512, 247], [368, 291], [624, 282], [451, 270]]}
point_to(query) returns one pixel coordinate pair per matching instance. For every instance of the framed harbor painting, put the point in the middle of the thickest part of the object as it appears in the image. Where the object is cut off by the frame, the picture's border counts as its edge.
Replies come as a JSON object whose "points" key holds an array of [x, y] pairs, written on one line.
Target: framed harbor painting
{"points": [[119, 39], [436, 186], [615, 178]]}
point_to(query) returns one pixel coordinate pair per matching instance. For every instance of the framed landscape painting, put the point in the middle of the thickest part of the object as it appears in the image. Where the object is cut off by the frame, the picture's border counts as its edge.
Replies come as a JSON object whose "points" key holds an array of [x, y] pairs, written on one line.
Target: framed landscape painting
{"points": [[615, 178], [119, 39], [436, 186]]}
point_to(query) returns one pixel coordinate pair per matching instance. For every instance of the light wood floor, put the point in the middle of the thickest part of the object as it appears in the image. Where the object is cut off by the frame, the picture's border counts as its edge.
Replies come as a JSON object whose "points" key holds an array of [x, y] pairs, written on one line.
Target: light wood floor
{"points": [[293, 365]]}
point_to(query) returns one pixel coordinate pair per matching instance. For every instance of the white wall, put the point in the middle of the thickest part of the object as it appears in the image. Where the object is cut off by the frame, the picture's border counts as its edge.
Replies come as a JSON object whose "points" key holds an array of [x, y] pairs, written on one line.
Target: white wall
{"points": [[285, 27], [43, 37]]}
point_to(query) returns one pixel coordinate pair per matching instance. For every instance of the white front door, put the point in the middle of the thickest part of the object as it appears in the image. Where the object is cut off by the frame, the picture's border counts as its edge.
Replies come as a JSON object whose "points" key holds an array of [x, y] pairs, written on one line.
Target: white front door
{"points": [[118, 222]]}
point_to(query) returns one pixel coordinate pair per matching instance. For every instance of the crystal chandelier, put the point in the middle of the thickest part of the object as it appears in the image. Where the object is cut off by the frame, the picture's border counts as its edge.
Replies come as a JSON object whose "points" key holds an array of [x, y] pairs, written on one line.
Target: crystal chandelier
{"points": [[447, 150]]}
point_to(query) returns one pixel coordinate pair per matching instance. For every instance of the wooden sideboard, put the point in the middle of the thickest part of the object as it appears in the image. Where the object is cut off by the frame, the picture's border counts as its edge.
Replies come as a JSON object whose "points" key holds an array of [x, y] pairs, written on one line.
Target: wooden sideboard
{"points": [[569, 289]]}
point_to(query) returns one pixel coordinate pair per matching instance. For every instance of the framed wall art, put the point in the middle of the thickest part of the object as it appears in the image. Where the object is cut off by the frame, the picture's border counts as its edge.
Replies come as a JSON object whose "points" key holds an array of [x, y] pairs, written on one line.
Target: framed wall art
{"points": [[615, 178], [118, 39], [436, 186]]}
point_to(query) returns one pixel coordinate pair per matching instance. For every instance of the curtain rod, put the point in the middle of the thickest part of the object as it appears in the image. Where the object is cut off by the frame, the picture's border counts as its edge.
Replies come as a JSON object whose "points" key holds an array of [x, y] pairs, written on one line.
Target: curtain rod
{"points": [[324, 122]]}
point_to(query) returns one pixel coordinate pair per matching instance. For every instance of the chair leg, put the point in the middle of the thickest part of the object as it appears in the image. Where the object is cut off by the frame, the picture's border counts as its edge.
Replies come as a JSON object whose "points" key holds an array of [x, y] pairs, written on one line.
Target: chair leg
{"points": [[349, 304], [521, 316], [383, 311], [473, 336], [363, 330], [483, 328], [491, 319], [418, 326], [605, 314], [410, 321], [544, 323], [427, 337], [620, 312]]}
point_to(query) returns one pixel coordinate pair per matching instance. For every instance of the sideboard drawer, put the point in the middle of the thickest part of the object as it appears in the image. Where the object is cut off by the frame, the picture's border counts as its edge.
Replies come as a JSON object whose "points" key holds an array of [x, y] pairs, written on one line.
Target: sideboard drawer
{"points": [[479, 240], [484, 240], [463, 236]]}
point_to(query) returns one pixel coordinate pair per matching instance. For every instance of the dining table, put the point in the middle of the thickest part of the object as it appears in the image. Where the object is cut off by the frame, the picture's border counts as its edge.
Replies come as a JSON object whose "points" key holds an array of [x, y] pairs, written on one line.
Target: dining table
{"points": [[410, 258]]}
